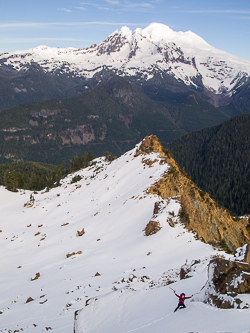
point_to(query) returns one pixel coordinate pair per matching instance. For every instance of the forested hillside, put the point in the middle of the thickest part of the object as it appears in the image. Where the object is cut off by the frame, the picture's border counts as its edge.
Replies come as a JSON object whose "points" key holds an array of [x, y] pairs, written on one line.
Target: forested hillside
{"points": [[37, 176], [218, 160], [113, 116]]}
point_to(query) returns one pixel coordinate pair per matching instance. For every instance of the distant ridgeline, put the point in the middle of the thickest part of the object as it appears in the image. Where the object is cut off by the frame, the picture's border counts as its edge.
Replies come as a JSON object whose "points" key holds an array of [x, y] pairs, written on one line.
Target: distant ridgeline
{"points": [[37, 176], [218, 160]]}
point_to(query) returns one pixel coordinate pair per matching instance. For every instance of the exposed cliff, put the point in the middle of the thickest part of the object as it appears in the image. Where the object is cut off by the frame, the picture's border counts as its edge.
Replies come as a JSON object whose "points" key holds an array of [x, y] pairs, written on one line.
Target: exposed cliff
{"points": [[201, 214]]}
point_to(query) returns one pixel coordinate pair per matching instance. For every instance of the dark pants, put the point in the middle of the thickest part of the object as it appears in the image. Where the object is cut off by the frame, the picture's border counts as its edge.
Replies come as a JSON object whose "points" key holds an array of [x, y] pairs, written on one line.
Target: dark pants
{"points": [[180, 306]]}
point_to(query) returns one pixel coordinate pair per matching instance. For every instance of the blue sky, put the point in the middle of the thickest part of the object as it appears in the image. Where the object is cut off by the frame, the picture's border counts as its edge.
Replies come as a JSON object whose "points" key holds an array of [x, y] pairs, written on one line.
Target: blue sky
{"points": [[225, 24]]}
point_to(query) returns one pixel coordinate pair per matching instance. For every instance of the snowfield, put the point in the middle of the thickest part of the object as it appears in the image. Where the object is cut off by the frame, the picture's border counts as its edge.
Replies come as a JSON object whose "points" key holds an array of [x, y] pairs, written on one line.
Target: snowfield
{"points": [[115, 277]]}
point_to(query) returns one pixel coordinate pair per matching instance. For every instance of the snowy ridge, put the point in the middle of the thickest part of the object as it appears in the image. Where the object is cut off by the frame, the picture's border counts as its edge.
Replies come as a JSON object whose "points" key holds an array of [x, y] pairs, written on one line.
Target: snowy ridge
{"points": [[156, 48], [83, 243]]}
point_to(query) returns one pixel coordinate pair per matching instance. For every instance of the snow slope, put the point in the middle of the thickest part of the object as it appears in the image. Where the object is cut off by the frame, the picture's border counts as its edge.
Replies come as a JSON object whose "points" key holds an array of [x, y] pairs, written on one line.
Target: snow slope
{"points": [[157, 48], [121, 274]]}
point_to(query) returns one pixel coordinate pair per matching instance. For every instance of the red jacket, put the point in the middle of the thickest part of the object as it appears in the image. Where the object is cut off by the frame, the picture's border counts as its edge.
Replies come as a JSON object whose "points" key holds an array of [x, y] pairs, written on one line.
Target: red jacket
{"points": [[182, 299]]}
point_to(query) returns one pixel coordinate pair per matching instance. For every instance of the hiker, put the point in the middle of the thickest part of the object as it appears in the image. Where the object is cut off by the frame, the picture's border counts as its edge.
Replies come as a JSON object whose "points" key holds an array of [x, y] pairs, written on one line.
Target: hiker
{"points": [[182, 298]]}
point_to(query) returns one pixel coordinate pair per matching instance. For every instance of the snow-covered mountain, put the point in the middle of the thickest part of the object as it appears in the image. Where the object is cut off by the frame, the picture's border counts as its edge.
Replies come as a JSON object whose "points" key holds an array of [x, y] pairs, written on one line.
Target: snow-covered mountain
{"points": [[84, 244], [144, 52]]}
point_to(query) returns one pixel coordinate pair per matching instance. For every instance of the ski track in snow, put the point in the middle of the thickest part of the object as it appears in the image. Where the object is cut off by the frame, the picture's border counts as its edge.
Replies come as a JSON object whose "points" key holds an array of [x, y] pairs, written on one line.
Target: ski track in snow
{"points": [[155, 321]]}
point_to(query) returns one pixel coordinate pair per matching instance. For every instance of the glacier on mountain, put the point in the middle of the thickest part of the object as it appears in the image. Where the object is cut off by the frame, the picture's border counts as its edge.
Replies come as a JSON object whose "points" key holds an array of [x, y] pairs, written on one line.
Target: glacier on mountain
{"points": [[142, 53]]}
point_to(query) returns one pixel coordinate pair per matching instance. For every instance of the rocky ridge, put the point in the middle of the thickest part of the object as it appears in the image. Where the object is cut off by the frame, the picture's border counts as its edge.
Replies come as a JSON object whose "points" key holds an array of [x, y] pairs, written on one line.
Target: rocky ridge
{"points": [[227, 278], [200, 213]]}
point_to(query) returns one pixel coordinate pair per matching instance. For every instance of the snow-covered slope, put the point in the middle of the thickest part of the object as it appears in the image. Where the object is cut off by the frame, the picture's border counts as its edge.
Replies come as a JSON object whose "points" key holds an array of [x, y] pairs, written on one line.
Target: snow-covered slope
{"points": [[143, 52], [48, 270]]}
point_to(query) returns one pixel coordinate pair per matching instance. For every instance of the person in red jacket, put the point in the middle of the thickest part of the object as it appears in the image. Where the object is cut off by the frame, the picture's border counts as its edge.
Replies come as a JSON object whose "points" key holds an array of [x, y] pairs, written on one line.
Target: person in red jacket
{"points": [[182, 298]]}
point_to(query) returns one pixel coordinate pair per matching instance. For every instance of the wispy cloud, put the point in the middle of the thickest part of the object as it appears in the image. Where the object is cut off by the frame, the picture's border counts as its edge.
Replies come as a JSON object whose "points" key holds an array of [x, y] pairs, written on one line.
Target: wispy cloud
{"points": [[113, 2], [29, 25], [94, 4], [81, 8], [140, 5], [65, 10], [37, 40], [219, 11], [123, 5]]}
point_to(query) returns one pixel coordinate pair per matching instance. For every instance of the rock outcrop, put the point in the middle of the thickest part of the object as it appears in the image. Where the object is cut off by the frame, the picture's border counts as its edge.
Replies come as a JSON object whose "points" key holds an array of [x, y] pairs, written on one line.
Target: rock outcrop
{"points": [[231, 276], [200, 214], [152, 228], [227, 280], [247, 254]]}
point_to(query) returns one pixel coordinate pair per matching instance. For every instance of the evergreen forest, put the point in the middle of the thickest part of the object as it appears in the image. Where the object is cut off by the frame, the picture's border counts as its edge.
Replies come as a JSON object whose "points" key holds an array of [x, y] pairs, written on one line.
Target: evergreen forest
{"points": [[36, 176], [218, 161]]}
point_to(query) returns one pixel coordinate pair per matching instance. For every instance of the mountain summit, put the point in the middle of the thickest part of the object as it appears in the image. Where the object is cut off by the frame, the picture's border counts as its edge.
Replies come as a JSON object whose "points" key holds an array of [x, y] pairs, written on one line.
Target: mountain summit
{"points": [[143, 53]]}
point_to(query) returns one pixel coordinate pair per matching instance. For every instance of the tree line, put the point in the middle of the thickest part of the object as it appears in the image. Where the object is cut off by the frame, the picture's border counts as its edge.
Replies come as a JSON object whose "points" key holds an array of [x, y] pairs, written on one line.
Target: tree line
{"points": [[36, 176]]}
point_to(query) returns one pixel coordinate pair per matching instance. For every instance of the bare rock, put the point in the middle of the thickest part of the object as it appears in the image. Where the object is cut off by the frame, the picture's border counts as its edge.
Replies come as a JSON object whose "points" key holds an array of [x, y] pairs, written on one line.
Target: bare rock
{"points": [[247, 254], [36, 277], [152, 228], [200, 213], [227, 280], [231, 276], [30, 299], [157, 207], [80, 233]]}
